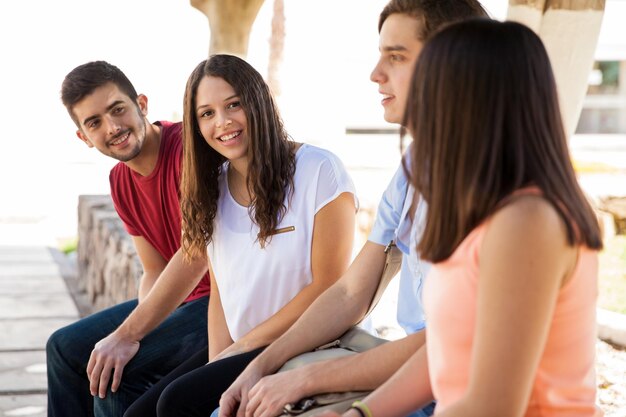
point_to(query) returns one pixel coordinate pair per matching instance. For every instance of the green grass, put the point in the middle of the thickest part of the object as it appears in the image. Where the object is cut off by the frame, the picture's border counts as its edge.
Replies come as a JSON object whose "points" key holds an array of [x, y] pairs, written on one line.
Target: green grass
{"points": [[612, 282], [68, 245]]}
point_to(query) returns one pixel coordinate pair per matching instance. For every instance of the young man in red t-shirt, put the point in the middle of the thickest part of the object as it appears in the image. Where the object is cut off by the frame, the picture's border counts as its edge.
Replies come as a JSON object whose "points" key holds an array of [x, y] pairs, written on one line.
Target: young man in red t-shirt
{"points": [[102, 363]]}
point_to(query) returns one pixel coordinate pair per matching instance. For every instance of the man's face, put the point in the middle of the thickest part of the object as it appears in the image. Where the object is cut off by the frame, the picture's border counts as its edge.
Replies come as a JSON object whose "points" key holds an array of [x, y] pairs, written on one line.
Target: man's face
{"points": [[111, 122], [399, 49]]}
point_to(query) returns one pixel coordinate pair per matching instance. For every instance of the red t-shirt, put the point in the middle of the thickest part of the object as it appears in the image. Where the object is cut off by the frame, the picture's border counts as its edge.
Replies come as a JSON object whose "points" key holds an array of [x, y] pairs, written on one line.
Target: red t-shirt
{"points": [[149, 206]]}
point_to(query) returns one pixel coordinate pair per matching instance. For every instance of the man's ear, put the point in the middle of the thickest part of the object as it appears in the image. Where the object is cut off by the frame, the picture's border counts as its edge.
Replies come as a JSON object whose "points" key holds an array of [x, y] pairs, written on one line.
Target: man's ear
{"points": [[142, 102], [84, 138]]}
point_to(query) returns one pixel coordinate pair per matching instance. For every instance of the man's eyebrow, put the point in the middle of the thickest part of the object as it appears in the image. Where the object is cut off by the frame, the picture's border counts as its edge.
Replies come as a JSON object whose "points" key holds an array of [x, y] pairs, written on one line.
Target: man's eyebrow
{"points": [[394, 48], [95, 116]]}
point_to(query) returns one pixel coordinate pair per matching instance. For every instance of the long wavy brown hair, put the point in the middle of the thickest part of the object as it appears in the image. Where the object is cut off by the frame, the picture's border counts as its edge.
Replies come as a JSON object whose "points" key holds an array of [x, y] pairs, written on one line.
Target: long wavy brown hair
{"points": [[271, 157], [484, 115]]}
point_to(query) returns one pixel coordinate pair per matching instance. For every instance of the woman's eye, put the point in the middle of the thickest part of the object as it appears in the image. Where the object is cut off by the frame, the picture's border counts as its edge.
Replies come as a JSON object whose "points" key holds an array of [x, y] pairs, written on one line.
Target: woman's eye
{"points": [[234, 104], [207, 113]]}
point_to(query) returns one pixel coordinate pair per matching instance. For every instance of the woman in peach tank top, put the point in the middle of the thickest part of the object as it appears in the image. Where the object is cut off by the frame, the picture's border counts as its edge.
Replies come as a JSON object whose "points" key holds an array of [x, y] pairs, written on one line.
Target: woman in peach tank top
{"points": [[510, 301]]}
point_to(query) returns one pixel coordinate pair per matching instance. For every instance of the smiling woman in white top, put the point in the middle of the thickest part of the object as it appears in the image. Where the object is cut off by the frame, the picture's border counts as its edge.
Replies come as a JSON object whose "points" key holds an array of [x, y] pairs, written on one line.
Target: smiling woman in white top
{"points": [[275, 217]]}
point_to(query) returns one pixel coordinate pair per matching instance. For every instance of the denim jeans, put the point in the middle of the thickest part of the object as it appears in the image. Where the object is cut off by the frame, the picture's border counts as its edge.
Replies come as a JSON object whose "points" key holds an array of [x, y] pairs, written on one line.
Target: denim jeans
{"points": [[427, 411], [177, 338]]}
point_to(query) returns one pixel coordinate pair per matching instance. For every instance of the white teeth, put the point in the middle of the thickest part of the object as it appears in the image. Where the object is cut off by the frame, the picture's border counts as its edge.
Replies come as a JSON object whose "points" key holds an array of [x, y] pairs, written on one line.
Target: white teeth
{"points": [[120, 140], [228, 137]]}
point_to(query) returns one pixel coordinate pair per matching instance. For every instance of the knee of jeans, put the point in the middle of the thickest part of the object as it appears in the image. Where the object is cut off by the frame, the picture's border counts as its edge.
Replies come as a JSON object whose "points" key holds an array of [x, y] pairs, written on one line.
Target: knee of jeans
{"points": [[54, 343]]}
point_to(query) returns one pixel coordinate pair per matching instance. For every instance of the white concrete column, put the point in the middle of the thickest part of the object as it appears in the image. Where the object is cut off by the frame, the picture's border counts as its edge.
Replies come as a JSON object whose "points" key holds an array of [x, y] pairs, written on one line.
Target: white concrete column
{"points": [[570, 31]]}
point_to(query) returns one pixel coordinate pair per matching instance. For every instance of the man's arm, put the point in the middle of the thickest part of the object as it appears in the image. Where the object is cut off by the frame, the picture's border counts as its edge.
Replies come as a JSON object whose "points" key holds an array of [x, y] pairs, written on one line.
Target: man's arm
{"points": [[329, 316], [362, 372], [174, 284], [152, 263]]}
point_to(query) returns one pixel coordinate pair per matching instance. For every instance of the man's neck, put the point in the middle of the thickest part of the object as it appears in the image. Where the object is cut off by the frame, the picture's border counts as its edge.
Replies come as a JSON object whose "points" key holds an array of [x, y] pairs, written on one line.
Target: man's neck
{"points": [[146, 161]]}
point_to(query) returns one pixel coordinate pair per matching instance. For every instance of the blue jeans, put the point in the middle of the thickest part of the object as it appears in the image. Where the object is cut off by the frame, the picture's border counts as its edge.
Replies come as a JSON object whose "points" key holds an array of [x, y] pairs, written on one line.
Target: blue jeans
{"points": [[427, 411], [177, 338]]}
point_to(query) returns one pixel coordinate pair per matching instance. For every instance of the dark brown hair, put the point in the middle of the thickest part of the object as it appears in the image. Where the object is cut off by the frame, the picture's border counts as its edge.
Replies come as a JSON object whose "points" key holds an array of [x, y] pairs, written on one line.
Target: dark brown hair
{"points": [[84, 79], [484, 115], [270, 153], [432, 14]]}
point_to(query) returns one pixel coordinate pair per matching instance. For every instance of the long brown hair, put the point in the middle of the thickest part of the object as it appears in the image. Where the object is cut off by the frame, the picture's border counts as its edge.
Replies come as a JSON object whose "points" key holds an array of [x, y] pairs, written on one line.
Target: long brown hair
{"points": [[271, 156], [484, 115]]}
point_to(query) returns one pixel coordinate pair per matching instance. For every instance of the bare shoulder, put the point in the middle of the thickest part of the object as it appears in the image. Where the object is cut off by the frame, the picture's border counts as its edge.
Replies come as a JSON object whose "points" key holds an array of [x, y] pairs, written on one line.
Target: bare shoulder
{"points": [[529, 214], [530, 230]]}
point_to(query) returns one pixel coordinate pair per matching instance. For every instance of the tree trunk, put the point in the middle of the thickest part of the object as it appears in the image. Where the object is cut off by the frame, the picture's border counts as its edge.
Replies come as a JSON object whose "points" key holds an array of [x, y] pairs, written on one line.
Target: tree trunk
{"points": [[230, 22], [277, 44], [569, 30]]}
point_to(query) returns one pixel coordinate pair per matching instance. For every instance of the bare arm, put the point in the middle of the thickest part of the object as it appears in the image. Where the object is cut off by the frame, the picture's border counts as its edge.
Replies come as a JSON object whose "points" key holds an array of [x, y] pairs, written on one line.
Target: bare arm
{"points": [[152, 263], [330, 315], [219, 336], [362, 372], [174, 284], [332, 245], [333, 313], [406, 391]]}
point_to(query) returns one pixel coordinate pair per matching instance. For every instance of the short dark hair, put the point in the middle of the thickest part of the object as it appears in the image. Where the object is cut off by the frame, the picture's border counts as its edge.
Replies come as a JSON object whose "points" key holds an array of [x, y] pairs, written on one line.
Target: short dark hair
{"points": [[433, 14], [84, 79], [485, 119]]}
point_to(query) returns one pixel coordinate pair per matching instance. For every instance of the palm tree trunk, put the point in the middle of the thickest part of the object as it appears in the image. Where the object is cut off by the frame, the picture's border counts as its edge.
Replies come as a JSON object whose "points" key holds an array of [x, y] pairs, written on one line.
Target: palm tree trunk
{"points": [[230, 22]]}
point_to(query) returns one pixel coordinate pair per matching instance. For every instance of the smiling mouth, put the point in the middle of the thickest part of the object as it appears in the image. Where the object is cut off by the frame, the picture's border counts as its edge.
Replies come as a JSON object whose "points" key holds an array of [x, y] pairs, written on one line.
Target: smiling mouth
{"points": [[121, 139], [386, 98], [230, 136]]}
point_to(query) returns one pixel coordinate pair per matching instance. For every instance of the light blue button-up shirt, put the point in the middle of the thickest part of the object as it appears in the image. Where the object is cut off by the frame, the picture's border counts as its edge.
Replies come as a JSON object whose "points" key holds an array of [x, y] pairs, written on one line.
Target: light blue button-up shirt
{"points": [[394, 223]]}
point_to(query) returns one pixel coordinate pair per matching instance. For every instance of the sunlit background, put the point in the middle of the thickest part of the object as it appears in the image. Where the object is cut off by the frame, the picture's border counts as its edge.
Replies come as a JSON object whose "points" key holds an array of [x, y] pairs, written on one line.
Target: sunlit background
{"points": [[330, 48]]}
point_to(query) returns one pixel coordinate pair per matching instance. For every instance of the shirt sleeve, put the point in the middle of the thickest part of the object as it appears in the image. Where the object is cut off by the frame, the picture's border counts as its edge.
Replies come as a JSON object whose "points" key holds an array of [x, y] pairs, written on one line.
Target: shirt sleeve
{"points": [[119, 208], [388, 215], [333, 180]]}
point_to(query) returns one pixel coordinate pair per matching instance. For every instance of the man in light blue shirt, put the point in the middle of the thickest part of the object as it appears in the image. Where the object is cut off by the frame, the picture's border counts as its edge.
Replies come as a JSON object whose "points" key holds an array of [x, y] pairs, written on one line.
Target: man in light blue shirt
{"points": [[394, 222]]}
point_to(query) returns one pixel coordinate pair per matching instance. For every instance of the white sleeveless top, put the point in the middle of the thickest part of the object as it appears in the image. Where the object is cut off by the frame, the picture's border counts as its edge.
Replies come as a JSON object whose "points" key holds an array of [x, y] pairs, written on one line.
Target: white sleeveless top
{"points": [[255, 283]]}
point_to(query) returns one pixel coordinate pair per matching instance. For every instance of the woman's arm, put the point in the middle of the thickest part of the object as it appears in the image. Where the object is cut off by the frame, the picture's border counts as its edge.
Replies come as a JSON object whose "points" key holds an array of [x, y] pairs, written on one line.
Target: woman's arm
{"points": [[525, 260], [333, 235], [219, 336], [360, 372], [331, 250], [406, 391]]}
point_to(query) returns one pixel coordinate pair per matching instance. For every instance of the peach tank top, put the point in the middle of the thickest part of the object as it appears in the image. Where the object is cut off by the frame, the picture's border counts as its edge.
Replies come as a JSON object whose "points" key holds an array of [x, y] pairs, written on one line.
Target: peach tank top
{"points": [[565, 381]]}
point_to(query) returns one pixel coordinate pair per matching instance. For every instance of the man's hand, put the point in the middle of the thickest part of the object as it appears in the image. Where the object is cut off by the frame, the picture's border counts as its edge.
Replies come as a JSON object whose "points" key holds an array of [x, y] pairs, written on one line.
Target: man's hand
{"points": [[235, 399], [111, 353], [268, 397]]}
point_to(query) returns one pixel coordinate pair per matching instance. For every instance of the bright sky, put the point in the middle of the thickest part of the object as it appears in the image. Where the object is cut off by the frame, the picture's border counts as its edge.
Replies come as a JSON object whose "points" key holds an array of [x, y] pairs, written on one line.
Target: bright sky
{"points": [[330, 49]]}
